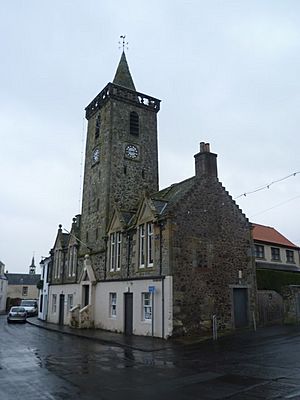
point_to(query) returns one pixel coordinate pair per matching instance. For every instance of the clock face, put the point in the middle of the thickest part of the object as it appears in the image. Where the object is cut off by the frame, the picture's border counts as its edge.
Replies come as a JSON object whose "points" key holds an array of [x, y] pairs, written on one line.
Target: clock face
{"points": [[96, 155], [131, 151]]}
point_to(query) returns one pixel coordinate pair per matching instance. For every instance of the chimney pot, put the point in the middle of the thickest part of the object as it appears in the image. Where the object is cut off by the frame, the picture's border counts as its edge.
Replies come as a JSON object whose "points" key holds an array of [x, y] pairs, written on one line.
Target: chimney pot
{"points": [[206, 162]]}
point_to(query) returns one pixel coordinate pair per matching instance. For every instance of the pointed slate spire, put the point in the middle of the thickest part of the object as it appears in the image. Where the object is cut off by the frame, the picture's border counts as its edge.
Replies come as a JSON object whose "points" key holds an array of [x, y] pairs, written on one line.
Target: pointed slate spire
{"points": [[32, 267], [123, 76]]}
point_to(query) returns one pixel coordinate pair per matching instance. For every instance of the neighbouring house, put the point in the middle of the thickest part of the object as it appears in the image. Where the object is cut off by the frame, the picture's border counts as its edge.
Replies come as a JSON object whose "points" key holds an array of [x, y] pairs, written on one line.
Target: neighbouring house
{"points": [[3, 289], [278, 276], [45, 266], [22, 286], [274, 251], [145, 261]]}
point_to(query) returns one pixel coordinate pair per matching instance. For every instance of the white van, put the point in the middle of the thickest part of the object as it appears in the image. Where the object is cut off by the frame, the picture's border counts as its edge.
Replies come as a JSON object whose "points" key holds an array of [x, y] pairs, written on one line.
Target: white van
{"points": [[30, 306]]}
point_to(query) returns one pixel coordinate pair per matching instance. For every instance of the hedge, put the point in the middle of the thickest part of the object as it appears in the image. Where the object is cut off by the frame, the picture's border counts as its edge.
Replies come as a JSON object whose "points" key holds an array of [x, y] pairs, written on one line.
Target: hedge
{"points": [[275, 280]]}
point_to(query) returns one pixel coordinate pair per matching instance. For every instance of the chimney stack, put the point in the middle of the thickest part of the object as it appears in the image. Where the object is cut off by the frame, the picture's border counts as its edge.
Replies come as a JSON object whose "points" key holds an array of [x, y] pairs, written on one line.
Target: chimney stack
{"points": [[206, 162]]}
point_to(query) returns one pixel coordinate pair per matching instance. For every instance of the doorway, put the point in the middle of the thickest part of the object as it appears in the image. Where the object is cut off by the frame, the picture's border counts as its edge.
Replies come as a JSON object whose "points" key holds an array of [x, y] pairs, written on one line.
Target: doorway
{"points": [[128, 318], [240, 307], [86, 295], [61, 309]]}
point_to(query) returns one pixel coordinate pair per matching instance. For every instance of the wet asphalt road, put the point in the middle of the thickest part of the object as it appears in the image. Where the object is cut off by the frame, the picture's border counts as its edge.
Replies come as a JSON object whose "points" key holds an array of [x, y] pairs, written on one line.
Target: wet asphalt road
{"points": [[39, 364]]}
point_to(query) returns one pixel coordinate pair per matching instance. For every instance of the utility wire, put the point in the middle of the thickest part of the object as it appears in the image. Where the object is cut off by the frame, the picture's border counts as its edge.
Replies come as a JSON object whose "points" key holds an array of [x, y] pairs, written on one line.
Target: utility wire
{"points": [[80, 241], [267, 186], [277, 205]]}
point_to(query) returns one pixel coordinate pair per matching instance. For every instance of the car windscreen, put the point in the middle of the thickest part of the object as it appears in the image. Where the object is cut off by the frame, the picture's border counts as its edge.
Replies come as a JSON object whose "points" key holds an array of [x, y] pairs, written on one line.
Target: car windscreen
{"points": [[17, 309], [28, 303]]}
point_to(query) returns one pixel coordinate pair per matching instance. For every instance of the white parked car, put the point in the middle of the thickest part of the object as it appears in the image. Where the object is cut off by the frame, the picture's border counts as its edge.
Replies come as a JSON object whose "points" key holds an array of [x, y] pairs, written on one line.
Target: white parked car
{"points": [[30, 306], [17, 314]]}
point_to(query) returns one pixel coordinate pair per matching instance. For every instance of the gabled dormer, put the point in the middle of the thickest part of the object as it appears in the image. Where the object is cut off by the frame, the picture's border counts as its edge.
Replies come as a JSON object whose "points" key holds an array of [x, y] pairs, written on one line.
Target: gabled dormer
{"points": [[71, 271], [146, 229], [59, 255], [116, 242]]}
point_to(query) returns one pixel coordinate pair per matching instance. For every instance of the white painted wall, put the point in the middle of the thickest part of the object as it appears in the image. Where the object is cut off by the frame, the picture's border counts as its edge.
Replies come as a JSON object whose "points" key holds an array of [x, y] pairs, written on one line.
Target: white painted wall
{"points": [[283, 259], [65, 289], [137, 287], [3, 294], [43, 294]]}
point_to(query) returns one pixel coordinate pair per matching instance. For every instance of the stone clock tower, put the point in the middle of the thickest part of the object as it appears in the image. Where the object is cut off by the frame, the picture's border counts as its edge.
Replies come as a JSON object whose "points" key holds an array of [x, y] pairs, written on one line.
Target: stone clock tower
{"points": [[121, 160]]}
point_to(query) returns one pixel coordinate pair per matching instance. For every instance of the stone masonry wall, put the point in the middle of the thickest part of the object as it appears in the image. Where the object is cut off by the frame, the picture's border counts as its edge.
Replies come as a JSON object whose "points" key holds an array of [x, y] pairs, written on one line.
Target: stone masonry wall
{"points": [[211, 243], [115, 180]]}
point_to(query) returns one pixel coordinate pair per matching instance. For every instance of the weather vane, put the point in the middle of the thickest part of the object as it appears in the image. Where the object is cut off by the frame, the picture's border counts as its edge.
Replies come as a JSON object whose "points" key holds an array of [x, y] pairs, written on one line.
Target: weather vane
{"points": [[123, 43]]}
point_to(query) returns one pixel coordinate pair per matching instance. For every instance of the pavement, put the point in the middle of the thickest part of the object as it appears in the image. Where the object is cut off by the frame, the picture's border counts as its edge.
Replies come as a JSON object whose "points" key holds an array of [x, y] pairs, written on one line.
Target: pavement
{"points": [[150, 344], [142, 343]]}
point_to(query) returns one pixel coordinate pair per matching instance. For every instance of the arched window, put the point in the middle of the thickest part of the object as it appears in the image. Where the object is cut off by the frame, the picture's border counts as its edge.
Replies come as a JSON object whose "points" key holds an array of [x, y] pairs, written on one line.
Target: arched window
{"points": [[97, 127], [134, 123]]}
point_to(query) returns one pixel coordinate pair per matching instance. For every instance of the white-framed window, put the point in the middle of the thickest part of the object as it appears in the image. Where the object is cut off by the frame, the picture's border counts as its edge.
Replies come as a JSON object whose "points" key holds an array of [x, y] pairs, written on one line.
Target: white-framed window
{"points": [[118, 255], [113, 305], [57, 264], [259, 251], [275, 253], [70, 301], [54, 303], [142, 245], [290, 256], [146, 306], [72, 261], [112, 251], [115, 251], [149, 243], [146, 249]]}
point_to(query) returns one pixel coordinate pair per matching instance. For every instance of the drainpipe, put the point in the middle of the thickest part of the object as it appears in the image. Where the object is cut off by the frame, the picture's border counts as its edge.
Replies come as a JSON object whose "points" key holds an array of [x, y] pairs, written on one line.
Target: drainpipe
{"points": [[128, 255], [162, 283], [105, 256]]}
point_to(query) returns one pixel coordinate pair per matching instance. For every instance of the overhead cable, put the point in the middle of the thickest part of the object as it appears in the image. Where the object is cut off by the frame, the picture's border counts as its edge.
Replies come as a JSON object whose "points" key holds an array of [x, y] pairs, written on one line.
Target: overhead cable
{"points": [[267, 186]]}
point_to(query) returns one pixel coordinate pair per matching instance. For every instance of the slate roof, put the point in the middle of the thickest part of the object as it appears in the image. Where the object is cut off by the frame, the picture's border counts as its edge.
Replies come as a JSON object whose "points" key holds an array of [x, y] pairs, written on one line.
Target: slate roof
{"points": [[23, 279], [166, 198], [268, 234], [126, 216], [123, 76]]}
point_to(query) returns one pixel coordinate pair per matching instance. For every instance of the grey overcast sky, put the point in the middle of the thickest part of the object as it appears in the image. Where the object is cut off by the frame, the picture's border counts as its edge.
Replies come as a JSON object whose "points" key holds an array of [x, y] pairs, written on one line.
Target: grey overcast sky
{"points": [[227, 73]]}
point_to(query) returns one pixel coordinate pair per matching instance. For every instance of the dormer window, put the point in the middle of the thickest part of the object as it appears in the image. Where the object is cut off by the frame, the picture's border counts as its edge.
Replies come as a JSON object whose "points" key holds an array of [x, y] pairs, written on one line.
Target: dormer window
{"points": [[57, 263], [72, 261], [145, 232], [115, 251], [134, 124]]}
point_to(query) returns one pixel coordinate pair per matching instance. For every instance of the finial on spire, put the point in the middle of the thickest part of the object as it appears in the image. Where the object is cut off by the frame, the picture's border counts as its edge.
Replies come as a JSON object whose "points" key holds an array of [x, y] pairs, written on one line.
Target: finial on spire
{"points": [[123, 43]]}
